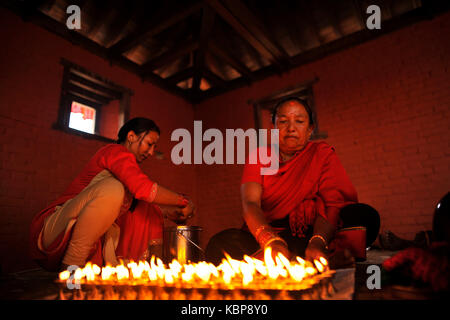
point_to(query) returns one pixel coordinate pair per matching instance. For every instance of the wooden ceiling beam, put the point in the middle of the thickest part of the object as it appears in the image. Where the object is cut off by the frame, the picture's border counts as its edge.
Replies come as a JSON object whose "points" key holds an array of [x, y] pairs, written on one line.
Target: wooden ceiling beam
{"points": [[76, 38], [333, 17], [357, 9], [180, 76], [257, 28], [213, 78], [242, 30], [307, 15], [205, 32], [230, 60], [163, 20], [125, 14], [47, 5], [168, 57], [29, 8], [99, 13], [398, 22]]}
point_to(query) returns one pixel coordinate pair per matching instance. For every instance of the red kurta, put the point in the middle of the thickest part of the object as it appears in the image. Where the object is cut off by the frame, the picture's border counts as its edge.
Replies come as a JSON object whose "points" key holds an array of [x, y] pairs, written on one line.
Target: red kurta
{"points": [[122, 164], [312, 182]]}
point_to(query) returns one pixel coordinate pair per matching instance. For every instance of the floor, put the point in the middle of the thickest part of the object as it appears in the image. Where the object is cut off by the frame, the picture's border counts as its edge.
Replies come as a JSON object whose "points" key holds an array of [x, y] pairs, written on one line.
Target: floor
{"points": [[37, 284]]}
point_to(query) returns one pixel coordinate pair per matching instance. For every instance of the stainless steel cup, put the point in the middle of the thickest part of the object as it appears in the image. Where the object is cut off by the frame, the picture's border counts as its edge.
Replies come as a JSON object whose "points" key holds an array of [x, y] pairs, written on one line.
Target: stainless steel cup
{"points": [[182, 243]]}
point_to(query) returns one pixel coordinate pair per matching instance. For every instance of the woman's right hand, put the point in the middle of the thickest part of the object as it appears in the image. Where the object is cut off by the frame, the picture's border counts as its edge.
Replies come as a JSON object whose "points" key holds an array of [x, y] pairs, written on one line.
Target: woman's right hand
{"points": [[188, 211], [276, 247], [180, 215], [280, 247]]}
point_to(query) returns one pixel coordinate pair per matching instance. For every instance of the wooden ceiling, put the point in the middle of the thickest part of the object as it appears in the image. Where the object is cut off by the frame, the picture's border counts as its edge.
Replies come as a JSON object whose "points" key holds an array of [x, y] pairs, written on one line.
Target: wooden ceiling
{"points": [[200, 49]]}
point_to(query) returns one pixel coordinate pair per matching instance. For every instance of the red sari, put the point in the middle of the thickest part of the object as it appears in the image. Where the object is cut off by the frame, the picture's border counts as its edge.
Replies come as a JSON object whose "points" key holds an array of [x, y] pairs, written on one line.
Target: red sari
{"points": [[312, 183], [137, 227]]}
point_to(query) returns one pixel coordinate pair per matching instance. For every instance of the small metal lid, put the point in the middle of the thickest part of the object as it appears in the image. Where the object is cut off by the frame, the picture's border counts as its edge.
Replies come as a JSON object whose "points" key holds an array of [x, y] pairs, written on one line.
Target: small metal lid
{"points": [[183, 228]]}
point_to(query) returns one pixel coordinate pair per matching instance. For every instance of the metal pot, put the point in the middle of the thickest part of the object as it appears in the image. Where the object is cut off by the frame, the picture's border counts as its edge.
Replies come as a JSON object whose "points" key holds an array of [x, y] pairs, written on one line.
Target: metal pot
{"points": [[181, 243]]}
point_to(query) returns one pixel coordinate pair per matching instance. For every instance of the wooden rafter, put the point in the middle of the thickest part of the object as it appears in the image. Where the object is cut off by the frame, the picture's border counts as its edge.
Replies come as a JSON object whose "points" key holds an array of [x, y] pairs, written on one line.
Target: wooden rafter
{"points": [[233, 62], [307, 15], [76, 38], [29, 9], [398, 22], [205, 32], [99, 12], [168, 57], [242, 30], [125, 14], [213, 78], [257, 28], [47, 5], [181, 76], [357, 9], [333, 17], [242, 21], [154, 26]]}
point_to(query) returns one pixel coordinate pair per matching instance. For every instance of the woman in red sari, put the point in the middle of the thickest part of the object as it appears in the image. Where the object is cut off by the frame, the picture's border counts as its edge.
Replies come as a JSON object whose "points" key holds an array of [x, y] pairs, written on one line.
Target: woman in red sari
{"points": [[111, 210], [297, 210]]}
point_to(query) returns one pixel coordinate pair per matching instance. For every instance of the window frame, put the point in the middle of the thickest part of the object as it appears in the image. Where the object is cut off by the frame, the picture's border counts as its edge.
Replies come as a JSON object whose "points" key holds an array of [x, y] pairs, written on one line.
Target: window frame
{"points": [[83, 86]]}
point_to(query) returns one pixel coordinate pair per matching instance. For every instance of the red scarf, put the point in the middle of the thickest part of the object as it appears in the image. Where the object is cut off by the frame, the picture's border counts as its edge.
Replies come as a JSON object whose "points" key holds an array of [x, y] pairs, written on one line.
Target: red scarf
{"points": [[312, 182]]}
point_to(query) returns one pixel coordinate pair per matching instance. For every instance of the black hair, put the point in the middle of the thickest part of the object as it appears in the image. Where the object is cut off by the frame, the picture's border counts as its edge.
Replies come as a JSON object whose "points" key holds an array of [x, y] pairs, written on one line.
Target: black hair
{"points": [[138, 125], [303, 102]]}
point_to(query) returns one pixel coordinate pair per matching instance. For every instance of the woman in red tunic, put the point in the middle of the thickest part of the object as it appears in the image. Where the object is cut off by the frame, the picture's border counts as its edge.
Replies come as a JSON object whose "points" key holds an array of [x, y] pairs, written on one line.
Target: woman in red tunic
{"points": [[297, 210], [111, 209]]}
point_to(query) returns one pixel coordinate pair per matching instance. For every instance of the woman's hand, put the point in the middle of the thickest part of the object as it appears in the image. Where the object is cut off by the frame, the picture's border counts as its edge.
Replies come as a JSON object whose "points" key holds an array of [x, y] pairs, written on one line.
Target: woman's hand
{"points": [[315, 250], [188, 211], [280, 247], [341, 259], [277, 247], [174, 214], [180, 215]]}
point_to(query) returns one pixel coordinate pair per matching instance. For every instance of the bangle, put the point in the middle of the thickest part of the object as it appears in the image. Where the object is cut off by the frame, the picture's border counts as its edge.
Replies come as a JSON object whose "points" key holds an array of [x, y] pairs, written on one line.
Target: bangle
{"points": [[276, 238], [318, 236], [264, 236], [261, 229]]}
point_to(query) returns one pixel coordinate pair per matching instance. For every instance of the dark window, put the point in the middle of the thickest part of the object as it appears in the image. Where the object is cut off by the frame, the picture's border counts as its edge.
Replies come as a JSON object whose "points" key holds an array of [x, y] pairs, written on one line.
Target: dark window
{"points": [[91, 106]]}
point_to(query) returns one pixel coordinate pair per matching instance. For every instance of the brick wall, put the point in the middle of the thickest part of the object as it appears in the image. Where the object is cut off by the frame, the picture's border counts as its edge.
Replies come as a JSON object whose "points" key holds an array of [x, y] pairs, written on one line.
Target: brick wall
{"points": [[386, 107], [37, 163]]}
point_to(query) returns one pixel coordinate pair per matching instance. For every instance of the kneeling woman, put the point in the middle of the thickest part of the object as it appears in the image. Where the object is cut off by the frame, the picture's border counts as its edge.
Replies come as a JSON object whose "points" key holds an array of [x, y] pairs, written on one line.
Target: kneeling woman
{"points": [[83, 223], [297, 210]]}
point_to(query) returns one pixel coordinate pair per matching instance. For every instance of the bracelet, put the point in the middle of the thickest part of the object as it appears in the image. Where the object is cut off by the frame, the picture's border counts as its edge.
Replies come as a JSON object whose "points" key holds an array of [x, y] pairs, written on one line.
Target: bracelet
{"points": [[264, 236], [275, 239], [318, 236], [261, 229]]}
